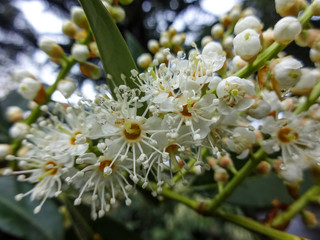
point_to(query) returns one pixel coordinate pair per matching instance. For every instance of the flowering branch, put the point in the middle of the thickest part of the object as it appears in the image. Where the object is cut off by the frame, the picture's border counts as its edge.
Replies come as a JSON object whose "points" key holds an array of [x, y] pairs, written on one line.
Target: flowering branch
{"points": [[296, 207], [312, 98], [237, 180]]}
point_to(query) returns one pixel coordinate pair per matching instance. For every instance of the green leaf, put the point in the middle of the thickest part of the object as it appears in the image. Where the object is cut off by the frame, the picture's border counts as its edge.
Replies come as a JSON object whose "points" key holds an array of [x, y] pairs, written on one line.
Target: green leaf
{"points": [[261, 191], [133, 44], [18, 219], [114, 53]]}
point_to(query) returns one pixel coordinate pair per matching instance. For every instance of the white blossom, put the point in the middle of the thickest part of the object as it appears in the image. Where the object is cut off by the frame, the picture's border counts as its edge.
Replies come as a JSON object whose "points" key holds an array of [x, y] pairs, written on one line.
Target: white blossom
{"points": [[287, 29]]}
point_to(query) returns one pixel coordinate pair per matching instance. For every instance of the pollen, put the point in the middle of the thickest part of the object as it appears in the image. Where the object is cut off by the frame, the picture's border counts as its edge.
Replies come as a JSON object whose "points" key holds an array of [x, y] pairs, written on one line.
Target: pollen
{"points": [[286, 135]]}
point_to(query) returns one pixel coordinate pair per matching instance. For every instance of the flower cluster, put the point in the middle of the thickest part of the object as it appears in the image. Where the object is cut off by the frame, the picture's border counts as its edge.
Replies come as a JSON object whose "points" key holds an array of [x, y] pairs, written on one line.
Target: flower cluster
{"points": [[181, 105]]}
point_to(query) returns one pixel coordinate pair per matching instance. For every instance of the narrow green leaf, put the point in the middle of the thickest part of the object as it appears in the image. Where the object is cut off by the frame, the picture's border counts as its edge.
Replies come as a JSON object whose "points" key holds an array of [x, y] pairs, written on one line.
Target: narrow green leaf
{"points": [[114, 53], [17, 218]]}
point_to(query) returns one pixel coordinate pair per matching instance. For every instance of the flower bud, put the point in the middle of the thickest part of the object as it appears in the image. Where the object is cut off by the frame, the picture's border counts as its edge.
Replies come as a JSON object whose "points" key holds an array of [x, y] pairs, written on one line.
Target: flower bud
{"points": [[32, 90], [69, 29], [286, 73], [90, 70], [78, 17], [144, 60], [20, 74], [50, 47], [5, 149], [247, 44], [259, 109], [125, 2], [287, 29], [291, 172], [249, 22], [217, 30], [268, 38], [205, 40], [238, 63], [66, 87], [314, 55], [225, 161], [316, 7], [153, 46], [18, 130], [220, 175], [80, 52], [263, 168], [117, 13], [14, 113], [178, 39], [309, 218], [94, 49], [308, 79], [289, 7]]}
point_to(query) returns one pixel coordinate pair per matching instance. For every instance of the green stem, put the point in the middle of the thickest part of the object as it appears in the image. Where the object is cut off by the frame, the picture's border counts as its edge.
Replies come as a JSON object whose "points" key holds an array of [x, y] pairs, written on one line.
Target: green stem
{"points": [[237, 180], [256, 226], [296, 207], [272, 50], [312, 98]]}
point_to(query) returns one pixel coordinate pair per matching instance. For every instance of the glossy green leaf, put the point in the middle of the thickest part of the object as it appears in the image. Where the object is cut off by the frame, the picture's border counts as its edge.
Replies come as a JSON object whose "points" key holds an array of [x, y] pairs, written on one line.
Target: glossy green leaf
{"points": [[114, 53], [18, 219], [261, 191], [133, 44]]}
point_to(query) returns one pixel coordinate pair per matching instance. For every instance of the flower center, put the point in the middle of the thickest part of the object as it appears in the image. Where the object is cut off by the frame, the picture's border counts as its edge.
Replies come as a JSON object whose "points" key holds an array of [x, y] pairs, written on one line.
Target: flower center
{"points": [[51, 167], [105, 163], [172, 148], [286, 135], [185, 110], [132, 131]]}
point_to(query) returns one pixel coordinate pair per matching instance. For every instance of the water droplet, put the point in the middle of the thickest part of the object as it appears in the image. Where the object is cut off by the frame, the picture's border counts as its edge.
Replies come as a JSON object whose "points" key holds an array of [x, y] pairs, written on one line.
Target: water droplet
{"points": [[286, 93], [283, 166]]}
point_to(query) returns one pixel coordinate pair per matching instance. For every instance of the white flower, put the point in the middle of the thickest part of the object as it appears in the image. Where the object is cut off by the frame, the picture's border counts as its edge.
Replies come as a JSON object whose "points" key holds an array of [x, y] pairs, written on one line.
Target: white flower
{"points": [[294, 139], [29, 88], [232, 93], [241, 141], [80, 52], [291, 172], [287, 29], [247, 44], [251, 22], [287, 73], [213, 56], [102, 188], [45, 169]]}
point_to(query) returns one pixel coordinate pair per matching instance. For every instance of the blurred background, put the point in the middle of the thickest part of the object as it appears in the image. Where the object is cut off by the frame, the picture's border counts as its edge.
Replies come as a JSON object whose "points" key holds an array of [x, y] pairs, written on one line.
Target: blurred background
{"points": [[23, 22]]}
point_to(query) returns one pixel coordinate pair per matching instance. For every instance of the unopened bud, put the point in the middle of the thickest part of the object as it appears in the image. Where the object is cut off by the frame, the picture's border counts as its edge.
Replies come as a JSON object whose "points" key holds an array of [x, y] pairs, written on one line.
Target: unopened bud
{"points": [[94, 49], [314, 55], [14, 113], [309, 218], [217, 30], [125, 2], [66, 87], [268, 38], [78, 17], [5, 149], [289, 7], [144, 60], [286, 73], [287, 29], [50, 47], [153, 46], [117, 13], [249, 22], [220, 175], [316, 7], [18, 130], [205, 40], [20, 74], [247, 44], [225, 161], [32, 90], [259, 109], [90, 70], [263, 168], [306, 83], [80, 52], [69, 28]]}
